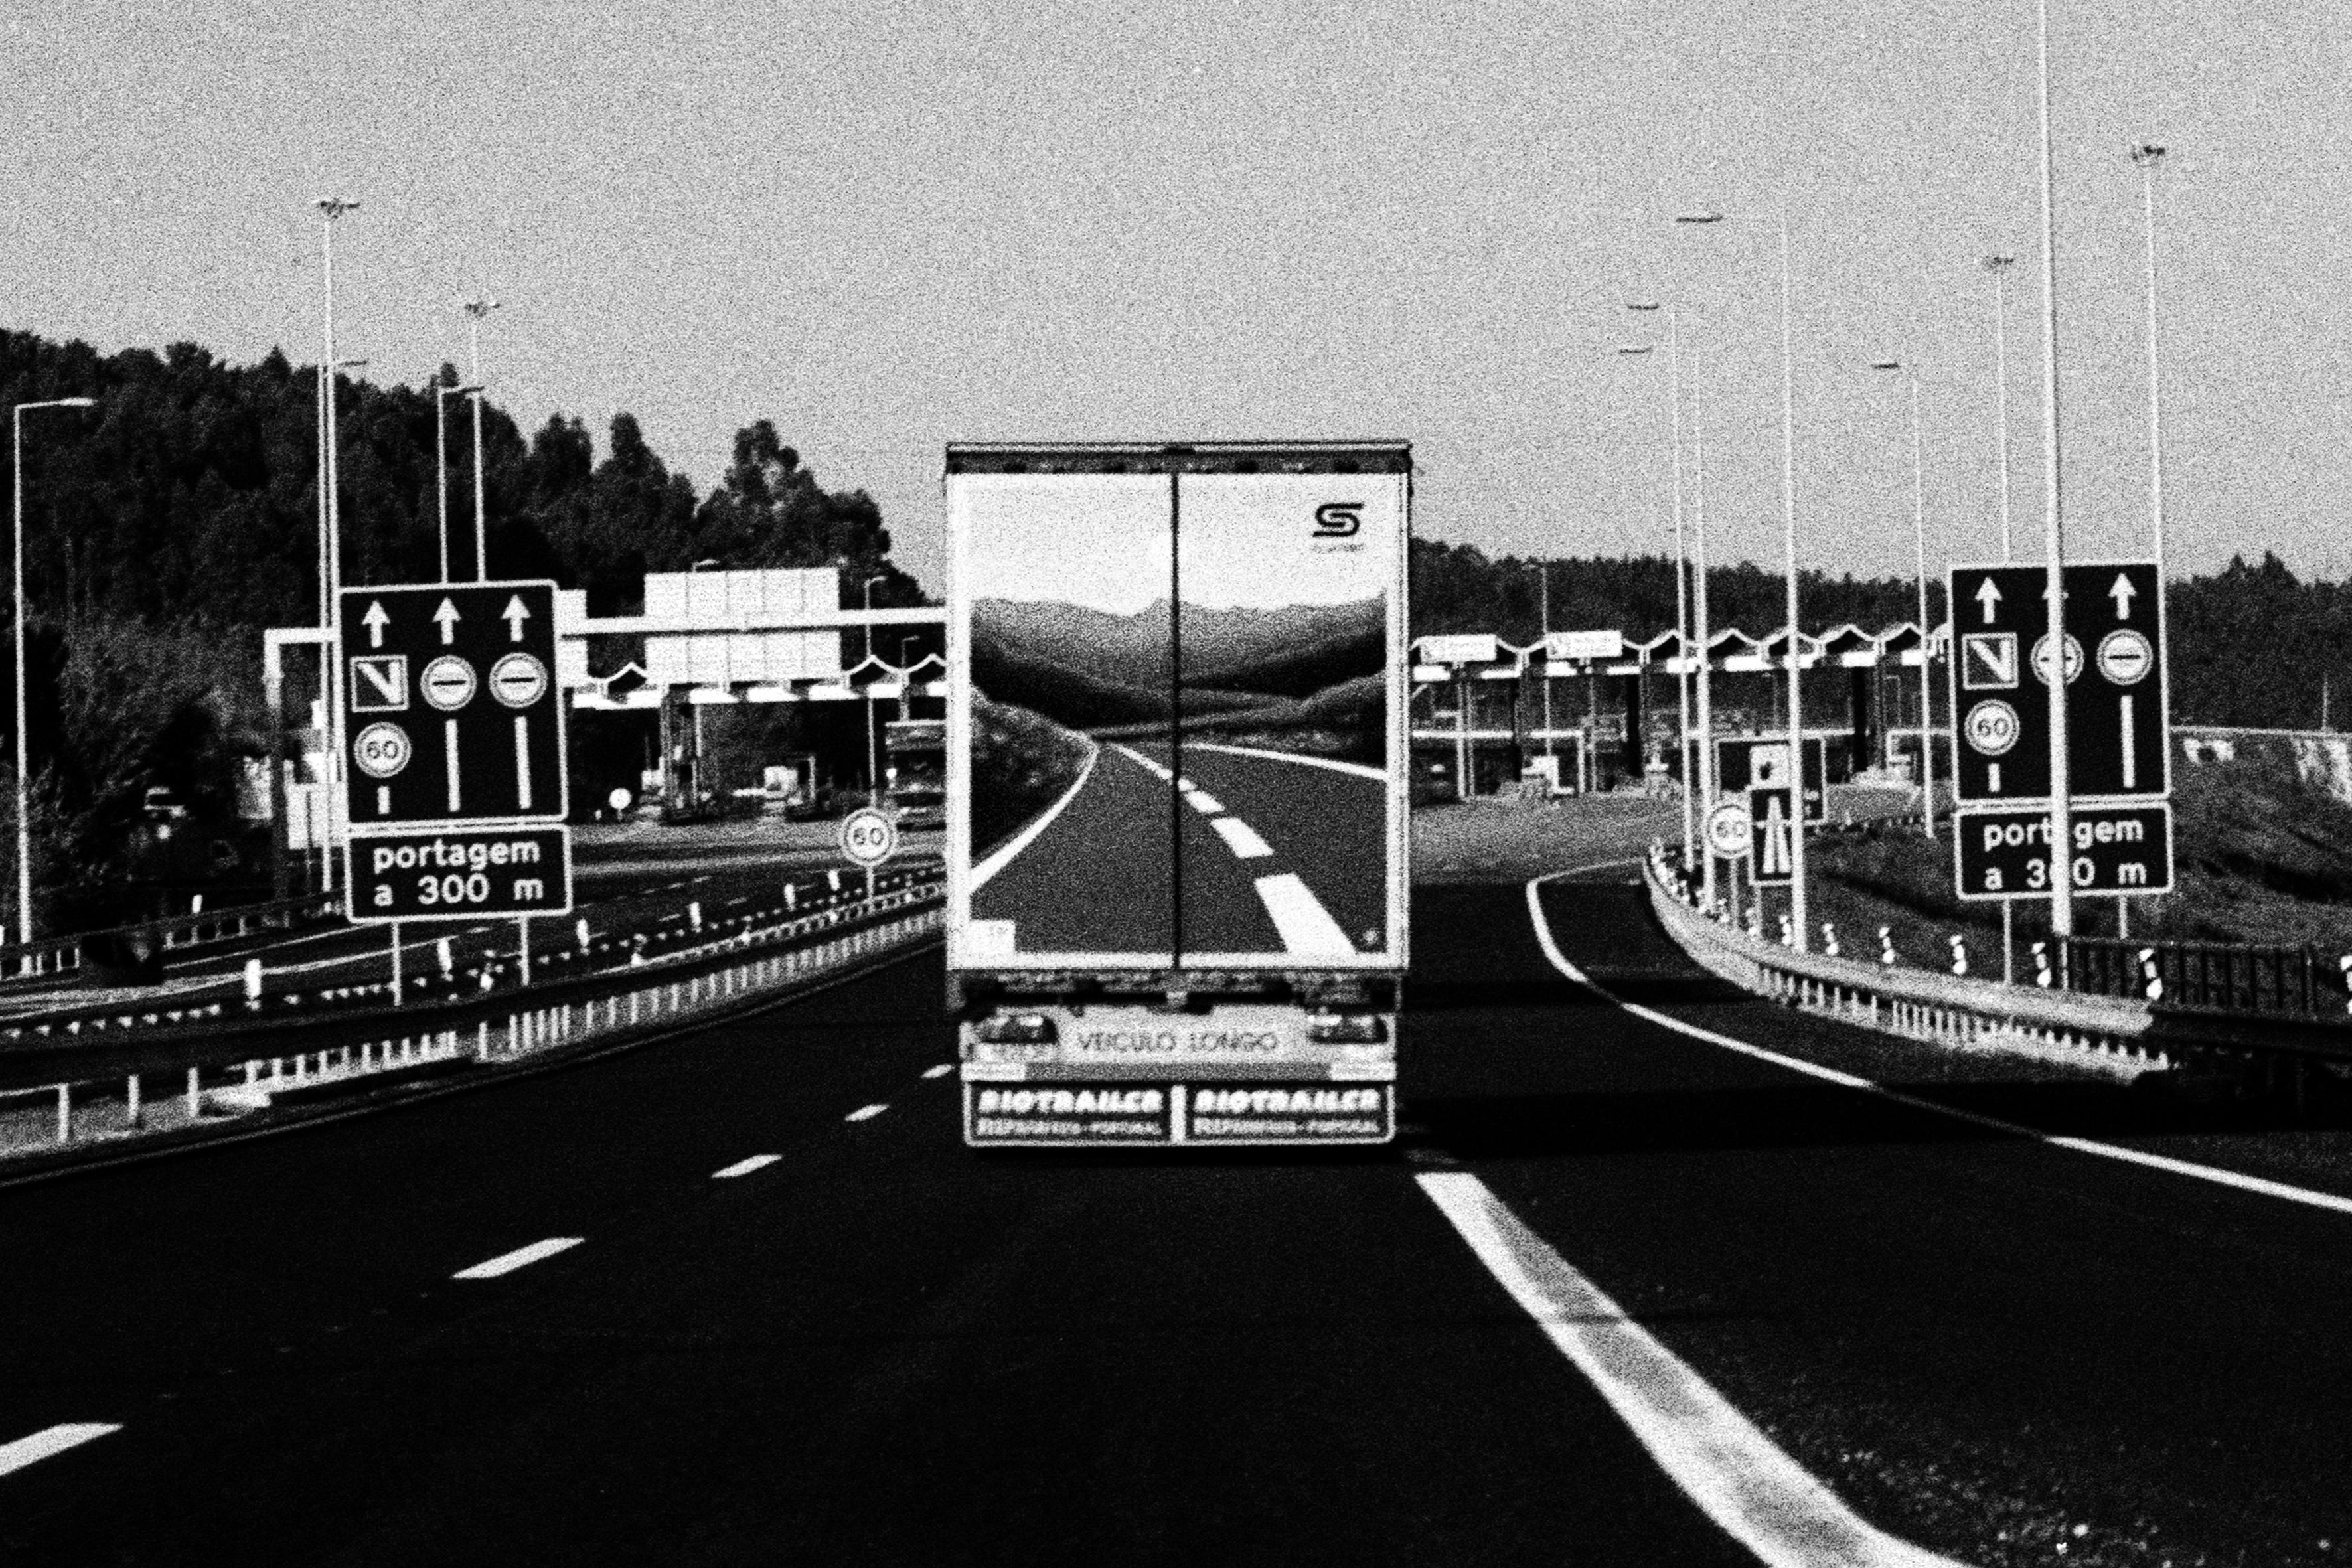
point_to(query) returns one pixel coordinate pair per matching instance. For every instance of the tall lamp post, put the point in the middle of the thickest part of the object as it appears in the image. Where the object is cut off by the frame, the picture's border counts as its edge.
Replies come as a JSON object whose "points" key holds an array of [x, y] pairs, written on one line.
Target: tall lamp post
{"points": [[1682, 566], [474, 310], [441, 395], [24, 752], [873, 767], [2062, 825], [330, 519], [1919, 561], [2150, 158], [1999, 267]]}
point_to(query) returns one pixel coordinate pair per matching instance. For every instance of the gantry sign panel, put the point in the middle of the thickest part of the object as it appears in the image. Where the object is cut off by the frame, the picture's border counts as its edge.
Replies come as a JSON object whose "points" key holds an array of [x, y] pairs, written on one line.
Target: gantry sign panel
{"points": [[450, 708], [2118, 715], [1176, 728]]}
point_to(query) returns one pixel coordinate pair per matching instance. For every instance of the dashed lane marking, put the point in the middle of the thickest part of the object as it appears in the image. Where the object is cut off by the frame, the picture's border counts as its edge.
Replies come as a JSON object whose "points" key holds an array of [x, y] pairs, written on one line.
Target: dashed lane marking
{"points": [[2238, 1179], [1740, 1478], [939, 1071], [746, 1166], [520, 1258], [1243, 840], [1204, 803], [1163, 775], [51, 1440], [865, 1113], [1359, 768], [1305, 925]]}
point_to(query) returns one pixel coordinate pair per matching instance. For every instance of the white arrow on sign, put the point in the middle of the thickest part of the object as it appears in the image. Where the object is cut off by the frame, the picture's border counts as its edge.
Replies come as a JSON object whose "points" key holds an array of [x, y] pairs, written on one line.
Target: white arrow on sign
{"points": [[514, 615], [1988, 596], [2122, 594], [375, 620], [447, 618]]}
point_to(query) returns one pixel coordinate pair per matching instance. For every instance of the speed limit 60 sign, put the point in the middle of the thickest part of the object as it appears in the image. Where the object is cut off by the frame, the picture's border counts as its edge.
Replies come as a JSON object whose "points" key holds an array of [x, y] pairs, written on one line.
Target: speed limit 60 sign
{"points": [[460, 873], [868, 836]]}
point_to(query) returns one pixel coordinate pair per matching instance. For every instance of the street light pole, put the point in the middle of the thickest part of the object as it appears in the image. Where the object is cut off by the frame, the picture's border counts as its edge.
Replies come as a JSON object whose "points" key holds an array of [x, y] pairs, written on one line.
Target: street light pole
{"points": [[2150, 157], [24, 751], [1999, 267], [2061, 879], [331, 521], [1705, 740], [873, 767], [1682, 568], [474, 310], [441, 395], [1919, 558], [1797, 907]]}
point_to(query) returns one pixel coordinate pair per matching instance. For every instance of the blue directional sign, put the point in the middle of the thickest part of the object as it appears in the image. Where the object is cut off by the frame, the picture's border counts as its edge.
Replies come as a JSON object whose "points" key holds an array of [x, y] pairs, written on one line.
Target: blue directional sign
{"points": [[2112, 663], [450, 711]]}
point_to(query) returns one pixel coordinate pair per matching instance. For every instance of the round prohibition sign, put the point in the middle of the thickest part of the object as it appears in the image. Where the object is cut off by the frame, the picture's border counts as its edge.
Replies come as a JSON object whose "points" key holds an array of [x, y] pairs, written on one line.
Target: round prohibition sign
{"points": [[1991, 727], [518, 680], [868, 836], [381, 751], [2074, 658], [1727, 830], [2125, 657], [447, 683]]}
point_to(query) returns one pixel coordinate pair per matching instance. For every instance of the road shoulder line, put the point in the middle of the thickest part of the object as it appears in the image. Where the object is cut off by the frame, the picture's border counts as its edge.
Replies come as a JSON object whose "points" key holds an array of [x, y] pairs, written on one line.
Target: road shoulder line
{"points": [[51, 1440], [1740, 1478], [2261, 1186], [1028, 836]]}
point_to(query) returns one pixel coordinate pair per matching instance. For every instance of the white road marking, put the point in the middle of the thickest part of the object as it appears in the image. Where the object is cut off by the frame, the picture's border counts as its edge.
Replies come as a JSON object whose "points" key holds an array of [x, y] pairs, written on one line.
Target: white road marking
{"points": [[1242, 839], [1305, 926], [51, 1440], [1163, 775], [1028, 836], [939, 1071], [1359, 768], [2238, 1179], [520, 1258], [745, 1167], [1740, 1478], [865, 1113], [1204, 803]]}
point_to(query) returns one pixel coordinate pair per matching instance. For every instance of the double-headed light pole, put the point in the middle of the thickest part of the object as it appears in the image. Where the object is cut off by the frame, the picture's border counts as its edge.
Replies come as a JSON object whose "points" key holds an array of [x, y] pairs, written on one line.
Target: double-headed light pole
{"points": [[1919, 560], [441, 395], [24, 752], [1690, 779], [474, 310]]}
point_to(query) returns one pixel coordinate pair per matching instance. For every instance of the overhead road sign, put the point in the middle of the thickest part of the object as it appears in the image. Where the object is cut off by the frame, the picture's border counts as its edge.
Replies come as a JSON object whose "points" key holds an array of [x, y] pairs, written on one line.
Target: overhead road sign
{"points": [[459, 874], [1771, 835], [2112, 661], [1578, 648], [450, 710], [2119, 849]]}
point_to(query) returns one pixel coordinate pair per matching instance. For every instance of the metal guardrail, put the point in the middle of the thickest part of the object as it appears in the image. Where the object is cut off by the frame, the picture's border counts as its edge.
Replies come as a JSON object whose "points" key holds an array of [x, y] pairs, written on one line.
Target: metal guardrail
{"points": [[656, 995], [2214, 977], [1918, 1003], [63, 954]]}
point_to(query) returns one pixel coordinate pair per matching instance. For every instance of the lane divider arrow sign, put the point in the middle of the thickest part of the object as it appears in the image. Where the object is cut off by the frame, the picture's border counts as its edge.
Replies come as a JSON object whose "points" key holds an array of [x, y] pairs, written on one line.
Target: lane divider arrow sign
{"points": [[447, 617]]}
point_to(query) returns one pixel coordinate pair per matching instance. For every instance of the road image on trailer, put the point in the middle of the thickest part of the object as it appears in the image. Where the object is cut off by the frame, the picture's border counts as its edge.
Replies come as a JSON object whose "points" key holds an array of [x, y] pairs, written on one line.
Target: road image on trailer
{"points": [[1177, 824]]}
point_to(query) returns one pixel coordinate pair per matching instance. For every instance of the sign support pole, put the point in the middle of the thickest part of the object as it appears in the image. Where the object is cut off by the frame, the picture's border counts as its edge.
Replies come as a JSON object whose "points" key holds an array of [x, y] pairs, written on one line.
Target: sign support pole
{"points": [[522, 923], [395, 963], [2062, 884]]}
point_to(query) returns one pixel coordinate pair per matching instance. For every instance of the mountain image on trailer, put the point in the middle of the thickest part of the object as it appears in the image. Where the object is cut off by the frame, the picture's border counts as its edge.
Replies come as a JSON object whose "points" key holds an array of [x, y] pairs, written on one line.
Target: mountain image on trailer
{"points": [[1179, 738]]}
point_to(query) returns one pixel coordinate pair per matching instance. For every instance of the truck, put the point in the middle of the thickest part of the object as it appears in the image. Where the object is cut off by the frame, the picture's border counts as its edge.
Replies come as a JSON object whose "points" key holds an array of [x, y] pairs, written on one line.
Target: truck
{"points": [[1177, 767]]}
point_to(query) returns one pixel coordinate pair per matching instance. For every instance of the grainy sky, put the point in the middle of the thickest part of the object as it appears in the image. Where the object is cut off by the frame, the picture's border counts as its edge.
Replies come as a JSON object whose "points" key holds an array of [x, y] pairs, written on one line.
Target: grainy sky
{"points": [[888, 226]]}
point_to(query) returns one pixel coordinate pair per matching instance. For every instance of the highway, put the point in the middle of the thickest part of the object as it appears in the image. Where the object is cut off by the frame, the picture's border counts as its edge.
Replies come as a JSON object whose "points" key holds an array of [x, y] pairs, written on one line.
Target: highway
{"points": [[1279, 854], [748, 1300]]}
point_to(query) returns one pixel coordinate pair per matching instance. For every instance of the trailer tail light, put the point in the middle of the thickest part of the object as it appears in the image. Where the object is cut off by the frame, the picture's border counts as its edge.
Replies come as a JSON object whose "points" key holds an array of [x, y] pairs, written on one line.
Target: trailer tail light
{"points": [[1346, 1028], [1014, 1030]]}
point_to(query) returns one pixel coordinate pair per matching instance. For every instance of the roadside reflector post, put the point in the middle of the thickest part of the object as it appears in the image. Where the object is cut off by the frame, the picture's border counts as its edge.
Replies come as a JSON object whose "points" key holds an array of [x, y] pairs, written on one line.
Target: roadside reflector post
{"points": [[196, 1094], [523, 923], [395, 963], [65, 1113], [580, 930], [448, 958], [131, 1103], [253, 983], [791, 896]]}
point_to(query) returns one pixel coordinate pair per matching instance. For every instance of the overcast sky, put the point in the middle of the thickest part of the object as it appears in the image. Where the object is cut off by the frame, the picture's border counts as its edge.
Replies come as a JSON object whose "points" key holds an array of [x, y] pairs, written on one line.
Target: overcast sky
{"points": [[888, 226]]}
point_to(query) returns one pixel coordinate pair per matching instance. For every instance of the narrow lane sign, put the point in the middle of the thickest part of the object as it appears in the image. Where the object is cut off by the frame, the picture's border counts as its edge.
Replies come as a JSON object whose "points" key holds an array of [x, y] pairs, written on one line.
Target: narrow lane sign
{"points": [[1772, 836], [449, 714]]}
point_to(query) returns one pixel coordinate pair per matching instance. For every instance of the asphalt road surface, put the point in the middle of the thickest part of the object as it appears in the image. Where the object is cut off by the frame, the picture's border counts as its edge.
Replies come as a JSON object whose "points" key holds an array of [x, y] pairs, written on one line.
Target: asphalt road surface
{"points": [[1280, 855], [796, 1321]]}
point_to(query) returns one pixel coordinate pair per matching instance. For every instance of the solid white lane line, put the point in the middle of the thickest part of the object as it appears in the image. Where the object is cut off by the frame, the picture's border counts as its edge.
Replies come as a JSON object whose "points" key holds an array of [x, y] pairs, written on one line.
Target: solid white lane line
{"points": [[1164, 775], [520, 1258], [51, 1440], [1241, 839], [2238, 1179], [746, 1166], [1740, 1478], [939, 1071], [1204, 803], [1305, 925], [1359, 768], [865, 1113], [1028, 836]]}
